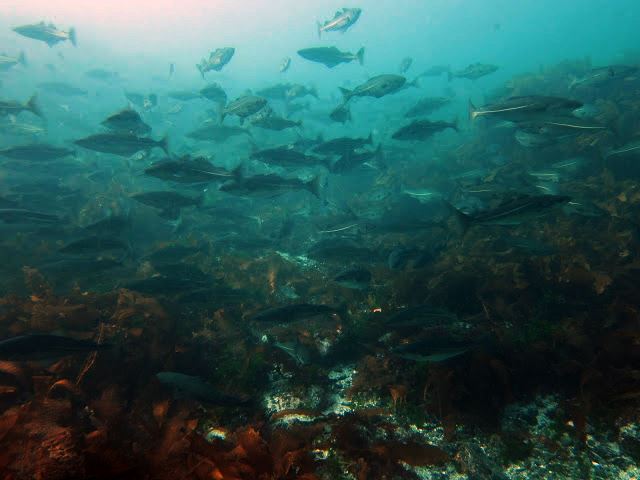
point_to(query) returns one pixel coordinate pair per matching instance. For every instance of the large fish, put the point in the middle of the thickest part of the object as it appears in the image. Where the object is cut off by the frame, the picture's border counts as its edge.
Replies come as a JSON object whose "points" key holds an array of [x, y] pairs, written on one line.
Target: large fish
{"points": [[378, 86], [36, 152], [127, 120], [243, 107], [217, 59], [7, 62], [341, 21], [422, 129], [331, 56], [189, 171], [61, 88], [474, 71], [48, 34], [122, 144], [271, 185], [198, 389], [524, 108], [214, 132], [41, 345]]}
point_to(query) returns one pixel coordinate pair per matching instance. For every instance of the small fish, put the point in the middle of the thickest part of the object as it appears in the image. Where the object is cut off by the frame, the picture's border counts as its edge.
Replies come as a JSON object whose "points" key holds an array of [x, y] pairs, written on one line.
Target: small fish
{"points": [[601, 76], [94, 244], [13, 127], [271, 185], [195, 387], [7, 62], [285, 64], [378, 86], [23, 216], [143, 101], [215, 93], [286, 156], [339, 146], [474, 71], [35, 346], [341, 114], [525, 108], [122, 144], [354, 278], [184, 95], [631, 148], [426, 106], [102, 74], [341, 21], [36, 152], [48, 34], [405, 65], [189, 171], [243, 107], [216, 61], [331, 56], [127, 120], [170, 203], [63, 89], [422, 129], [293, 313], [351, 160]]}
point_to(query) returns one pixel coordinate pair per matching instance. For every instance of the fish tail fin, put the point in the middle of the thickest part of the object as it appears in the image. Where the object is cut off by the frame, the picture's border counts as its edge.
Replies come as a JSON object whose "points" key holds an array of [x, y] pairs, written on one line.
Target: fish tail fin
{"points": [[462, 218], [32, 106], [319, 26], [473, 111], [315, 186], [72, 37], [454, 124], [369, 139], [22, 59], [346, 94], [164, 144], [360, 56]]}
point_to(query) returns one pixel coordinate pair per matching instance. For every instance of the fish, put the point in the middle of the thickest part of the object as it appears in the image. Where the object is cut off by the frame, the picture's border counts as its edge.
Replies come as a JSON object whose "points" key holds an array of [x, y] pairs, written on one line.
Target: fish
{"points": [[598, 77], [512, 211], [631, 148], [534, 139], [95, 244], [354, 278], [121, 144], [275, 92], [300, 352], [172, 69], [331, 56], [216, 61], [184, 95], [170, 203], [212, 131], [127, 121], [173, 253], [24, 216], [141, 100], [286, 155], [435, 71], [405, 65], [271, 185], [7, 62], [47, 33], [341, 21], [299, 91], [215, 93], [525, 108], [275, 122], [474, 71], [341, 114], [188, 170], [13, 127], [377, 87], [426, 106], [198, 389], [73, 266], [420, 316], [11, 107], [102, 74], [36, 152], [284, 64], [41, 345], [243, 107], [351, 160], [63, 89], [294, 313], [342, 145], [422, 129]]}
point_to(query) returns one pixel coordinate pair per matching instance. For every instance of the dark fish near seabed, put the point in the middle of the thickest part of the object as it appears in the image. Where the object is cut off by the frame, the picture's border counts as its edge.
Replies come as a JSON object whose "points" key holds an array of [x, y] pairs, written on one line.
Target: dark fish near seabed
{"points": [[7, 62], [341, 21], [23, 216], [216, 61], [525, 108], [427, 106], [378, 87], [61, 88], [474, 71], [341, 114], [212, 131], [293, 313], [173, 253], [349, 161], [342, 145], [40, 345], [243, 107], [13, 127], [48, 34], [128, 121], [601, 76], [122, 144], [36, 152], [170, 203], [71, 267], [405, 65], [631, 148], [420, 316], [422, 129], [271, 185], [331, 56], [198, 389], [95, 244], [189, 171], [11, 107], [354, 278], [512, 211]]}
